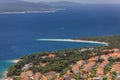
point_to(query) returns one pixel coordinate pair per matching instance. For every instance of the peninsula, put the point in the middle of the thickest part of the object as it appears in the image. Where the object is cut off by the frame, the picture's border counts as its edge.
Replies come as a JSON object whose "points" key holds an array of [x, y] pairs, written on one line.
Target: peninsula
{"points": [[89, 63]]}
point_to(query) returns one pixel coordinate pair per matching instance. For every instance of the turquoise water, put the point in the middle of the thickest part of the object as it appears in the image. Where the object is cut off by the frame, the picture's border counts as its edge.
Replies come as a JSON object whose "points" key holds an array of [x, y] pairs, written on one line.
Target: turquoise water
{"points": [[18, 32], [4, 65]]}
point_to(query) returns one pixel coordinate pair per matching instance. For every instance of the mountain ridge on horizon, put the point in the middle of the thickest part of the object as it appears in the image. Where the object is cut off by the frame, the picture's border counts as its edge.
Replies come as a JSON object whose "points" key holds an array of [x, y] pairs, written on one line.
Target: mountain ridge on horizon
{"points": [[23, 6], [10, 6]]}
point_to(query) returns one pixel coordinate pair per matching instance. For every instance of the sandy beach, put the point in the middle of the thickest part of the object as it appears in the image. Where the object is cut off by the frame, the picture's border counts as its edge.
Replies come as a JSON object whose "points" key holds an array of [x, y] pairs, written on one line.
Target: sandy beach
{"points": [[71, 40], [85, 41], [14, 61]]}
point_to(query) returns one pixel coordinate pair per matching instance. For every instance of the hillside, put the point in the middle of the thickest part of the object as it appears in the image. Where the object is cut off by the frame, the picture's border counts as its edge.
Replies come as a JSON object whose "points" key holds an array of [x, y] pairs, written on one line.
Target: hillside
{"points": [[73, 64], [70, 64]]}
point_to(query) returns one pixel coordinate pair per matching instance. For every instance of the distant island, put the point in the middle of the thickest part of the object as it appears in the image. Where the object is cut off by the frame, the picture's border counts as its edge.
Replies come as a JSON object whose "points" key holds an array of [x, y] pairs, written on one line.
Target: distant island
{"points": [[88, 63], [24, 12], [21, 7]]}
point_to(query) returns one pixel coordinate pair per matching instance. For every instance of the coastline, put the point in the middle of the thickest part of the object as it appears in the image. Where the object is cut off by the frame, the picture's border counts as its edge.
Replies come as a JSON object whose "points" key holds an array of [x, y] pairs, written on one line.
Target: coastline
{"points": [[14, 61], [25, 12], [72, 40], [61, 40], [5, 72], [96, 42]]}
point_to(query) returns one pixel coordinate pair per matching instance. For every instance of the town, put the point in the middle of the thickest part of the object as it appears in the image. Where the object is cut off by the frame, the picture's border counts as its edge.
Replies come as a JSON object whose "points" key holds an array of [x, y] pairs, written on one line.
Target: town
{"points": [[103, 66]]}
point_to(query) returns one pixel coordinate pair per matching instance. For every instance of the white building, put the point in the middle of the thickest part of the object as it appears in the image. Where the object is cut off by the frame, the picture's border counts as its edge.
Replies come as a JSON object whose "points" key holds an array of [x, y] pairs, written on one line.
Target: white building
{"points": [[98, 78]]}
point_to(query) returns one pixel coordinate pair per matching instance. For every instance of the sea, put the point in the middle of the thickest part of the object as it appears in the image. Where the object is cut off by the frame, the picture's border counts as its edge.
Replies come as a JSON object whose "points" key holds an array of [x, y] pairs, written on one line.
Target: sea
{"points": [[19, 32]]}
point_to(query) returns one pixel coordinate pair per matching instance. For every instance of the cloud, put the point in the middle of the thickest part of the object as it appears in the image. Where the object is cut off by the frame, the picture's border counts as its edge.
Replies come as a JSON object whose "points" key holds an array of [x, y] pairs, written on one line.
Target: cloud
{"points": [[80, 1]]}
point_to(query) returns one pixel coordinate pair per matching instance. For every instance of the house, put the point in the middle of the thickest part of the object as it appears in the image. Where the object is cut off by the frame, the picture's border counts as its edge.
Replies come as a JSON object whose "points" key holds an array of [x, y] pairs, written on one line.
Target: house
{"points": [[37, 76], [98, 78], [81, 62], [44, 78], [88, 67], [73, 79], [90, 78], [31, 78], [44, 57], [29, 73], [93, 53], [100, 71], [82, 50], [116, 50], [30, 65], [49, 76], [91, 49], [104, 63], [43, 64], [116, 67], [23, 74], [75, 68], [51, 55], [26, 67], [52, 73], [26, 78], [65, 54], [105, 57], [68, 76], [100, 68], [9, 78], [116, 54], [59, 78], [109, 76], [107, 50], [92, 59], [118, 78]]}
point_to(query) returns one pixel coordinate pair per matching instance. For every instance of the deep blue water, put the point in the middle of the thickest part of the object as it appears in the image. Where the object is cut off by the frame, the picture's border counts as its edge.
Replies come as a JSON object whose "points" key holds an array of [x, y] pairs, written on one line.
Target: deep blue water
{"points": [[18, 32]]}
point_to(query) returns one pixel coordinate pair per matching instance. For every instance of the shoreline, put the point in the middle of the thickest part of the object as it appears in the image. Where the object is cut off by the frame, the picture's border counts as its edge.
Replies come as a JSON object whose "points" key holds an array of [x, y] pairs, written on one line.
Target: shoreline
{"points": [[60, 40], [25, 12], [96, 42], [5, 72], [14, 61], [72, 40]]}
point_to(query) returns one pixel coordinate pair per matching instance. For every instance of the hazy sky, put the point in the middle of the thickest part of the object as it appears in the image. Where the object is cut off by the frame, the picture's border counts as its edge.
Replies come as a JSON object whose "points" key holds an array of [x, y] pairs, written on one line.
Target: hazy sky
{"points": [[80, 1]]}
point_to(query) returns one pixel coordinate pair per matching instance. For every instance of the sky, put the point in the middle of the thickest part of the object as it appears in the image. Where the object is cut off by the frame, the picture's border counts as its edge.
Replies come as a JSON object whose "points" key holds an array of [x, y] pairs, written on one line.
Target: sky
{"points": [[81, 1], [77, 1]]}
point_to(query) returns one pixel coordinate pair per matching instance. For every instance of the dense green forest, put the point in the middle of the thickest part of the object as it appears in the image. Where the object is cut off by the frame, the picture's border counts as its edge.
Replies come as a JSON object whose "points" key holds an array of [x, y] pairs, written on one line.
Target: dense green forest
{"points": [[62, 61], [63, 58], [113, 41]]}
